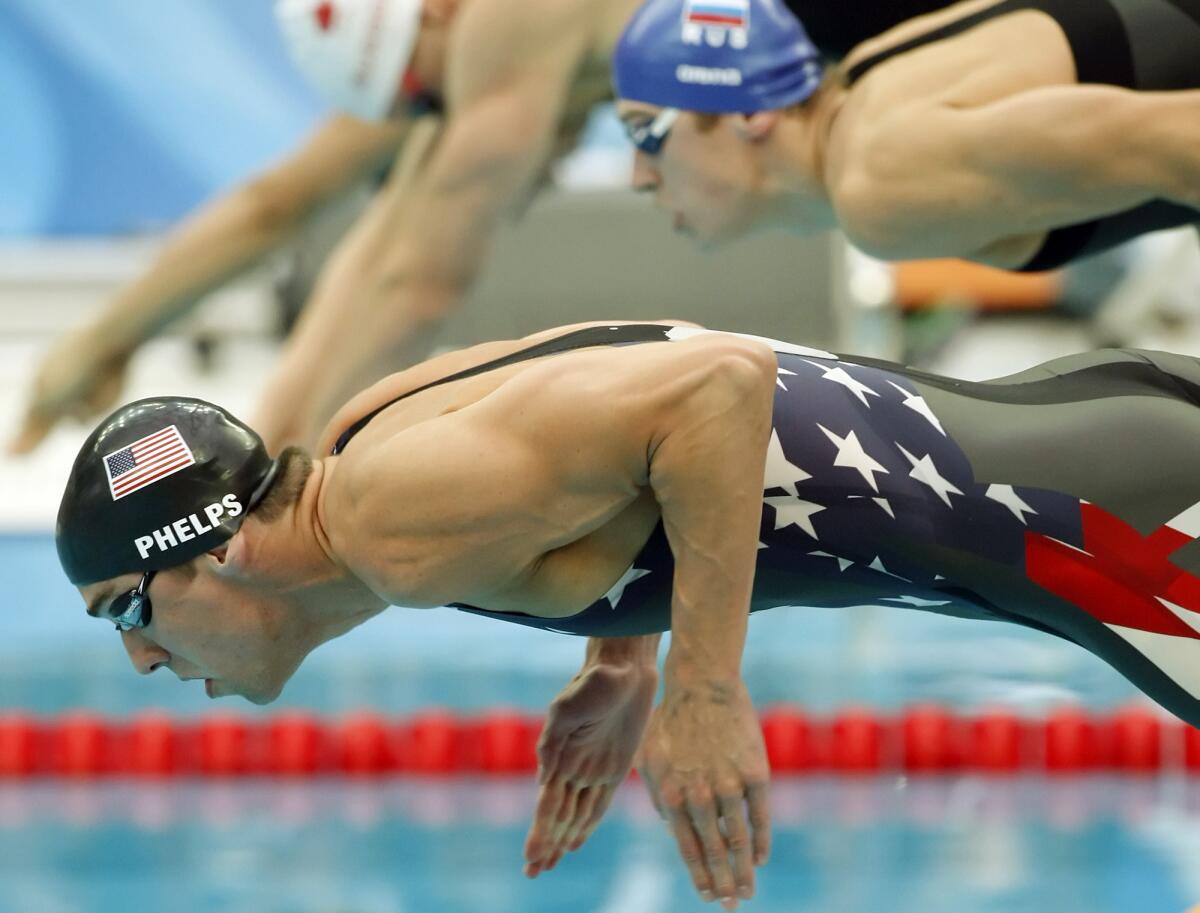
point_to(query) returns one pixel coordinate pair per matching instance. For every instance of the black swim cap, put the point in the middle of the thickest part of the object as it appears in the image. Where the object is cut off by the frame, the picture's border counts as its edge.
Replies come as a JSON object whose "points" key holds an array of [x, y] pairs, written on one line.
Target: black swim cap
{"points": [[158, 483]]}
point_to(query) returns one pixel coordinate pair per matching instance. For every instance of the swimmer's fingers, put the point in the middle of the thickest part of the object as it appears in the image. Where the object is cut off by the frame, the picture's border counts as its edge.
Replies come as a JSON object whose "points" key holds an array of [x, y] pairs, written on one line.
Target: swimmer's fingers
{"points": [[737, 839], [604, 798], [704, 812], [540, 841], [34, 429], [760, 822], [553, 819], [582, 813], [691, 850], [576, 800]]}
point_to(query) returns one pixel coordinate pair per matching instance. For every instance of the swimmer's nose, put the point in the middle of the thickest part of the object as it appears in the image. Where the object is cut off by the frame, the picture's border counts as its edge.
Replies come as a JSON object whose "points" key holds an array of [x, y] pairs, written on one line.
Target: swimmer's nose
{"points": [[145, 655], [645, 173]]}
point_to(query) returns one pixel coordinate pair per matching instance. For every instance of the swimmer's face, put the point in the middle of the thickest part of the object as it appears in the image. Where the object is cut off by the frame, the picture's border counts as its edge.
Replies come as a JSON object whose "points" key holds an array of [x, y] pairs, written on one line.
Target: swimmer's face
{"points": [[705, 174], [206, 627]]}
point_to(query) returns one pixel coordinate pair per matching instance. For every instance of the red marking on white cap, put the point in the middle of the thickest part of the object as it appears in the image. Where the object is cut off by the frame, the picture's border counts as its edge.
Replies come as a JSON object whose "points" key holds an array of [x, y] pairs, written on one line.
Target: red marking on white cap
{"points": [[324, 14]]}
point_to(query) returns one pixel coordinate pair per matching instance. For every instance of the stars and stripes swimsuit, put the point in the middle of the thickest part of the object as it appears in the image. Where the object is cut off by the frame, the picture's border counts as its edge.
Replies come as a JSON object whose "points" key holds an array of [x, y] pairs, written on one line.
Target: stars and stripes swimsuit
{"points": [[1065, 498]]}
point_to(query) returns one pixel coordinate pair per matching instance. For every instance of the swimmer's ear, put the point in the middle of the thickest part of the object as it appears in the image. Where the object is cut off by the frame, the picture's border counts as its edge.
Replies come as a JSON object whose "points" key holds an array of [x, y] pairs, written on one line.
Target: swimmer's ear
{"points": [[229, 559], [756, 127]]}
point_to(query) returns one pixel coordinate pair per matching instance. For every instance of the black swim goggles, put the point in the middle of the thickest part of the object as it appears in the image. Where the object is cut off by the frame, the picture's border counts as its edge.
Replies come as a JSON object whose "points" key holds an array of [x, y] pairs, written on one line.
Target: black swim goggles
{"points": [[649, 136], [131, 609]]}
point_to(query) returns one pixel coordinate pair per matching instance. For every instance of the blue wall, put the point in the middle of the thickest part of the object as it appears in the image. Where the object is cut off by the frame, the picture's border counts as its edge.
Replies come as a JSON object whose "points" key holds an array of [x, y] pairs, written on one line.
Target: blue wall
{"points": [[121, 115]]}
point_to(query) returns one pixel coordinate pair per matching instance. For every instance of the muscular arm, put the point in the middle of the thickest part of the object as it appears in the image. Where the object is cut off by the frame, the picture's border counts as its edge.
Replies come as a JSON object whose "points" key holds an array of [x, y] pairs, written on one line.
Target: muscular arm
{"points": [[510, 70], [706, 470], [217, 243], [936, 179], [234, 231]]}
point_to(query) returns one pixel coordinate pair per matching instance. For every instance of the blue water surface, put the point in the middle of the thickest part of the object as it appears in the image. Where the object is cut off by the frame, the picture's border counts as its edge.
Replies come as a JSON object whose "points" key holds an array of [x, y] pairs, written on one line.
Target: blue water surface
{"points": [[840, 846]]}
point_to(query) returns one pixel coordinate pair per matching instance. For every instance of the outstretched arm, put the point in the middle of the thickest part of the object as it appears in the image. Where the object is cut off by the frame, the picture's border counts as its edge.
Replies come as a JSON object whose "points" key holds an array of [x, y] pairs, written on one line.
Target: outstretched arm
{"points": [[703, 755], [84, 372], [417, 256], [1027, 163]]}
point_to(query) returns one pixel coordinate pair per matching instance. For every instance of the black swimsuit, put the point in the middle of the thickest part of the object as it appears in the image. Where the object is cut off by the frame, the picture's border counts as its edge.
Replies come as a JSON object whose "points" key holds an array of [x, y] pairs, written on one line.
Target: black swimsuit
{"points": [[1149, 45], [1065, 499]]}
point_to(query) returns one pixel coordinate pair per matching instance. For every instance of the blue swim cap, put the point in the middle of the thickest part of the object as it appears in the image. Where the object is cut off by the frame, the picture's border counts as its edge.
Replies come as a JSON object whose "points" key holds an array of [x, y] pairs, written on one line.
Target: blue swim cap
{"points": [[716, 56]]}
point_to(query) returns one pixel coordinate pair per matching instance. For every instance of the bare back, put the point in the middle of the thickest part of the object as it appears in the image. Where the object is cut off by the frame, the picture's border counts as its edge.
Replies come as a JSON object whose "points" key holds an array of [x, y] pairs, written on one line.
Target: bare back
{"points": [[560, 565], [1013, 53]]}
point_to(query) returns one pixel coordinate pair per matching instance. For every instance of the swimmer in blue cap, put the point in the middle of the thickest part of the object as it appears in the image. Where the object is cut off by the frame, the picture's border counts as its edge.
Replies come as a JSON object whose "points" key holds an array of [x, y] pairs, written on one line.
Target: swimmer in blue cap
{"points": [[616, 481], [517, 81], [1021, 133]]}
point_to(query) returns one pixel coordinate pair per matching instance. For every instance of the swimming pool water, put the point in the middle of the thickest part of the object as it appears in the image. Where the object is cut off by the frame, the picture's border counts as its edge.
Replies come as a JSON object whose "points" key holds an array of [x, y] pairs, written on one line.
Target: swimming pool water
{"points": [[841, 846]]}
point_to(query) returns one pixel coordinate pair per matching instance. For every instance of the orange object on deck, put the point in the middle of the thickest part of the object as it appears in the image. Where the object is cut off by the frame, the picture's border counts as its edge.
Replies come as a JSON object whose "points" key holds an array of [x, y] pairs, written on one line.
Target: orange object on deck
{"points": [[926, 283]]}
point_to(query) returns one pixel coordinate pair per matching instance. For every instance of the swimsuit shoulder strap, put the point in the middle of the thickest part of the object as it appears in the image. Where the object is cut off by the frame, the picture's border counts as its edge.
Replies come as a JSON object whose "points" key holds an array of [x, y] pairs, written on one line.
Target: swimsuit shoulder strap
{"points": [[949, 30], [624, 334]]}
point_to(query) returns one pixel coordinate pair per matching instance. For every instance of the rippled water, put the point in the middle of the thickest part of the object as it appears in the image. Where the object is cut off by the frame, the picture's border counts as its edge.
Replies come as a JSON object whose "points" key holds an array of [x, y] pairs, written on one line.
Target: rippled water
{"points": [[841, 846]]}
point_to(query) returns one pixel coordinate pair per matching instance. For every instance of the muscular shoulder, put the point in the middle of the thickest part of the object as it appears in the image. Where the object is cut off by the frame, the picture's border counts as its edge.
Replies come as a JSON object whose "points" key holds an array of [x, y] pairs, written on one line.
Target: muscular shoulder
{"points": [[434, 369]]}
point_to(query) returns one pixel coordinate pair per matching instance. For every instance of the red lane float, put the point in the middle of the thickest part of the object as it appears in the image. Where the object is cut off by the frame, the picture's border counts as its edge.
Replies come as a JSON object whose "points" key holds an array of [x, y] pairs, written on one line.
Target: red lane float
{"points": [[859, 743], [1070, 743], [19, 738], [932, 740], [923, 739], [790, 739], [998, 743]]}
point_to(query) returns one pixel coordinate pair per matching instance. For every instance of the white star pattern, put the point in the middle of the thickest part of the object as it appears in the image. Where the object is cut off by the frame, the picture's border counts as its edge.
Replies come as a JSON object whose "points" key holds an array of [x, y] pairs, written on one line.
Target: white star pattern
{"points": [[918, 405], [927, 474], [877, 565], [618, 589], [1189, 618], [882, 502], [779, 472], [779, 382], [1004, 494], [916, 601], [791, 511], [840, 376], [1188, 521], [1072, 547], [843, 563], [852, 456]]}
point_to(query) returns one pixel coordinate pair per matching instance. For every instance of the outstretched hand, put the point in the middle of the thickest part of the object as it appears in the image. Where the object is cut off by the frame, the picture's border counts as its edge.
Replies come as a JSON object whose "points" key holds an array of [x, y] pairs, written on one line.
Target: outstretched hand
{"points": [[705, 764], [71, 382], [585, 752]]}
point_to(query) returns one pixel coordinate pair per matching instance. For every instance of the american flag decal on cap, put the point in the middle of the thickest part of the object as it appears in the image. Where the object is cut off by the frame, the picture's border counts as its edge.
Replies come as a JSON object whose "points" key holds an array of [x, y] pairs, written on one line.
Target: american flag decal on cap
{"points": [[729, 14], [147, 460]]}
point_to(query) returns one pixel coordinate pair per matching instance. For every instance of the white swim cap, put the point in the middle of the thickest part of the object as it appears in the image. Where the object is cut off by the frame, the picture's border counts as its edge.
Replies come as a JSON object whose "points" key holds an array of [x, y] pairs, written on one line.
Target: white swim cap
{"points": [[354, 52]]}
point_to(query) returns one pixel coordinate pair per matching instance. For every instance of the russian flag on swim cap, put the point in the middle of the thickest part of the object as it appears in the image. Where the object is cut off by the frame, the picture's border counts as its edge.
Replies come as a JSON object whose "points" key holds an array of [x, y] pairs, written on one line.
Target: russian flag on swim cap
{"points": [[716, 56], [730, 14]]}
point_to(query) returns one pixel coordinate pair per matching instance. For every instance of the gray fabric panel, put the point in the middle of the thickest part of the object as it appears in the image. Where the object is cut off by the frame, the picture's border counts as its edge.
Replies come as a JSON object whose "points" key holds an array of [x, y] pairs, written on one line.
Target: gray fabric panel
{"points": [[1134, 456], [1165, 41]]}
